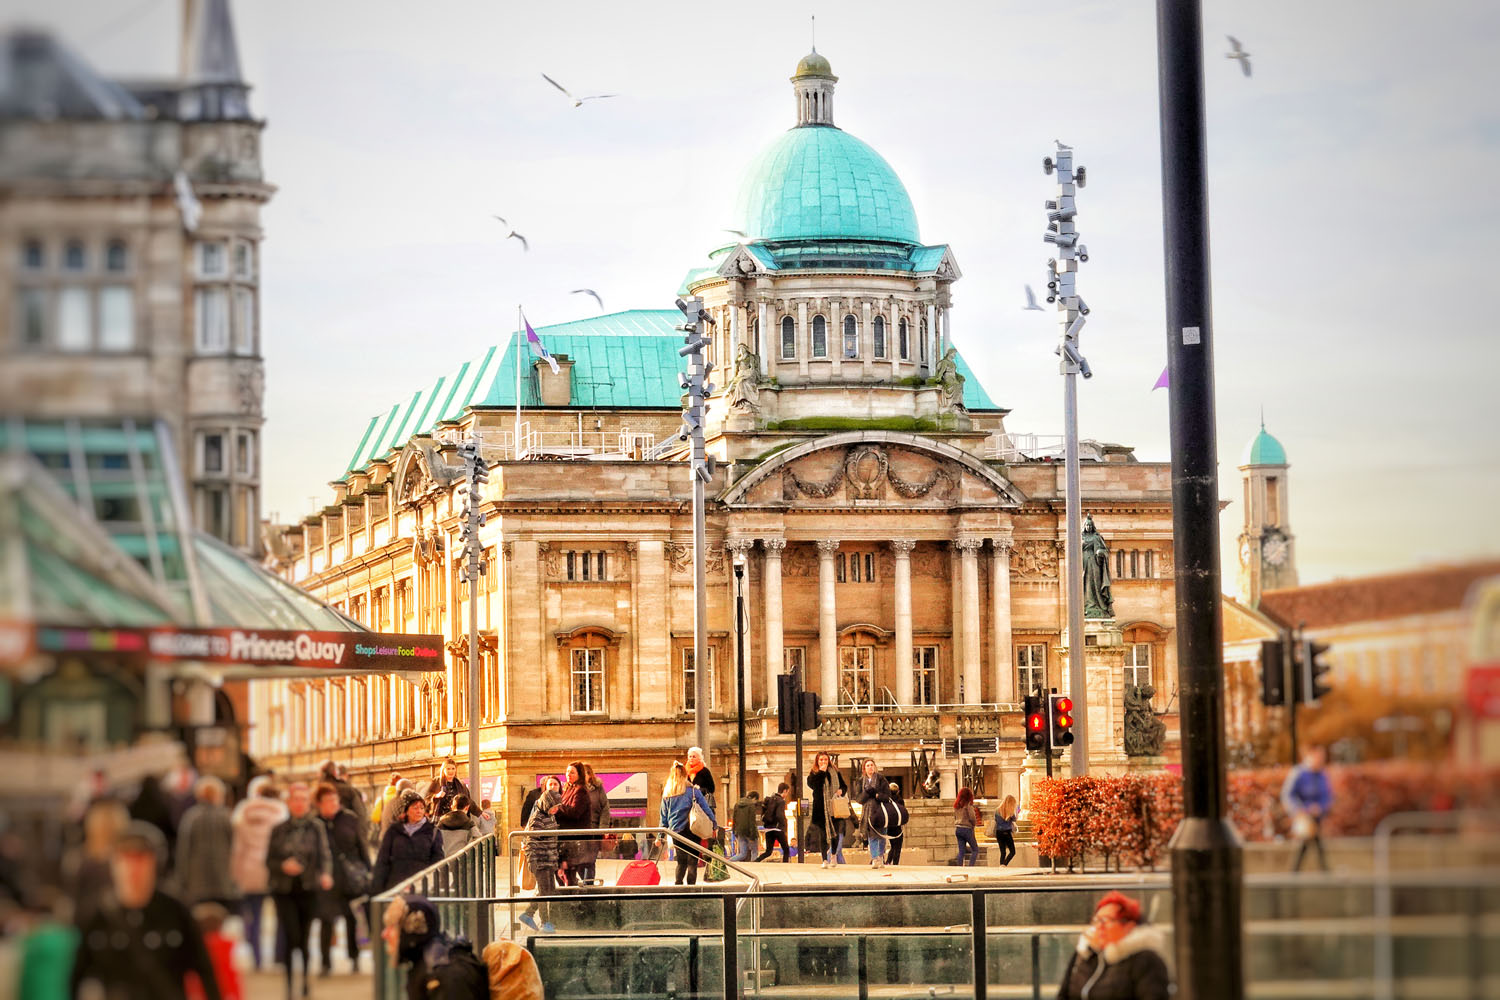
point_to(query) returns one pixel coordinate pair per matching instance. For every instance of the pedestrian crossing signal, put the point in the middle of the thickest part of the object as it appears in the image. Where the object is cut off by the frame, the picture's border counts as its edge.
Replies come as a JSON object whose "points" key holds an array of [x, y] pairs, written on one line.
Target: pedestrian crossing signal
{"points": [[1036, 724]]}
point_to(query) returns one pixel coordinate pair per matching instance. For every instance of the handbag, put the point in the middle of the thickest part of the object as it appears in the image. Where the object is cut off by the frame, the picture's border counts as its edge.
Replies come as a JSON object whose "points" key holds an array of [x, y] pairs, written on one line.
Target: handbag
{"points": [[699, 823], [840, 807], [356, 876], [528, 877]]}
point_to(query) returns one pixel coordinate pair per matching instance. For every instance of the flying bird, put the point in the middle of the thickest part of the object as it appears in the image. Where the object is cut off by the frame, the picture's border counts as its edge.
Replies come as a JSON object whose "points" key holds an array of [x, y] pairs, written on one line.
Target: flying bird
{"points": [[577, 101], [513, 233], [736, 232], [1238, 53], [1031, 300], [588, 291]]}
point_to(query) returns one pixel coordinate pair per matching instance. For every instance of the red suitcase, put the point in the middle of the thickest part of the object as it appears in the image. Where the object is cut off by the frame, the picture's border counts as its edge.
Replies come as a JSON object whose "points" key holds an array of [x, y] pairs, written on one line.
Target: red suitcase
{"points": [[640, 873]]}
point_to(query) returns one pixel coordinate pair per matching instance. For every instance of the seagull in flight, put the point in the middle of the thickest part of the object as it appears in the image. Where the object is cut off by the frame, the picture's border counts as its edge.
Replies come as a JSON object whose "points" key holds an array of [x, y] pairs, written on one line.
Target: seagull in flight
{"points": [[513, 233], [1031, 301], [577, 101], [588, 291], [1238, 53], [736, 232]]}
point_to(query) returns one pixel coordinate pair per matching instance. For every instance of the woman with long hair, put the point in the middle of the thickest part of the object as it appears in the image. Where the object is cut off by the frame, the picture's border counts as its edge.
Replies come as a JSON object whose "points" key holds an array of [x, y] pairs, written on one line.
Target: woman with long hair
{"points": [[1005, 829], [879, 814], [599, 817], [678, 794], [826, 784], [573, 814], [965, 817]]}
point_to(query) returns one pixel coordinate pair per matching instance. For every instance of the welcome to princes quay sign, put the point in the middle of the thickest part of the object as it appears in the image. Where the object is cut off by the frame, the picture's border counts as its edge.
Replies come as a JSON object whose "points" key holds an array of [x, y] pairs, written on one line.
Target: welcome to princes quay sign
{"points": [[335, 652]]}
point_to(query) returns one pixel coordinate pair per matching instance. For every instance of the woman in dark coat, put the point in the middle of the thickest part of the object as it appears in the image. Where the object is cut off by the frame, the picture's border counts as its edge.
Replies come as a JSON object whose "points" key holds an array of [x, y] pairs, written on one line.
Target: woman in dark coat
{"points": [[1119, 957], [411, 844], [299, 865], [874, 795], [351, 859], [573, 814], [825, 784]]}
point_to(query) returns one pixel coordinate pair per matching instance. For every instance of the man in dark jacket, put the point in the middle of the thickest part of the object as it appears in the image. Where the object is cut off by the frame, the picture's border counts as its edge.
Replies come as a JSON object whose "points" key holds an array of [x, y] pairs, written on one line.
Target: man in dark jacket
{"points": [[410, 845], [1119, 957], [773, 818], [351, 875], [140, 943], [299, 863], [349, 796], [746, 826]]}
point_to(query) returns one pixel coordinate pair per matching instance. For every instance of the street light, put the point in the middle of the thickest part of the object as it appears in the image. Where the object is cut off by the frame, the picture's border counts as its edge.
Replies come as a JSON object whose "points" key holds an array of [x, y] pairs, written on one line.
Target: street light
{"points": [[739, 657]]}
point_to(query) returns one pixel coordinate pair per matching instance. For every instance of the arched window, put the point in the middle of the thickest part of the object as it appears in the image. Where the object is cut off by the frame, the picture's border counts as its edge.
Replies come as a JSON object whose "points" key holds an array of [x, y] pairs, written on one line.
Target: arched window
{"points": [[788, 338], [75, 257], [851, 337], [922, 342], [877, 329], [587, 654], [820, 337], [903, 334], [116, 257]]}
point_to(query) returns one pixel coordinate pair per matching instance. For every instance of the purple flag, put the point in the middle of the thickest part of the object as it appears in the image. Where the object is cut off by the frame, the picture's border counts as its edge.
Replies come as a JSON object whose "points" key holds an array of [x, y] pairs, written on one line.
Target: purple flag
{"points": [[536, 343], [1161, 383]]}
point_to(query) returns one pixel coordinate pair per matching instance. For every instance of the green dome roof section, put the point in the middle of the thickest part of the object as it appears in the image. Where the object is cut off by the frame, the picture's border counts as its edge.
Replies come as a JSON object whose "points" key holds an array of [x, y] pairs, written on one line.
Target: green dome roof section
{"points": [[819, 181], [1264, 450]]}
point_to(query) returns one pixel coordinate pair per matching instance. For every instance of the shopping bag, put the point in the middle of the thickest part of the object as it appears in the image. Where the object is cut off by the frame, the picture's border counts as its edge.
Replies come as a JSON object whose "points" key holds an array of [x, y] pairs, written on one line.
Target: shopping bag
{"points": [[699, 823], [528, 877], [840, 807], [717, 870]]}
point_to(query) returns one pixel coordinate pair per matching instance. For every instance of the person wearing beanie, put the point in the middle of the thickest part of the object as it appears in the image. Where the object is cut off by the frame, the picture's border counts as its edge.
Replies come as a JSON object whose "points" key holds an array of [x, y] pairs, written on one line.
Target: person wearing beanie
{"points": [[1119, 956], [543, 856], [439, 967], [411, 844], [141, 943]]}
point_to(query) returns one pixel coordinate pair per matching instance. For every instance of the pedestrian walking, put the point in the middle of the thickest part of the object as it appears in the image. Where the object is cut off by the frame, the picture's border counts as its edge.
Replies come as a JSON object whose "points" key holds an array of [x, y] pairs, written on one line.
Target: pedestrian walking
{"points": [[253, 820], [392, 809], [773, 818], [826, 827], [543, 855], [700, 775], [441, 967], [678, 796], [351, 876], [1005, 829], [299, 864], [965, 818], [450, 786], [898, 834], [411, 845], [529, 802], [86, 869], [1306, 796], [384, 799], [350, 797], [142, 943], [485, 818], [205, 844], [745, 825], [1118, 957], [877, 815], [457, 827], [599, 819], [573, 814]]}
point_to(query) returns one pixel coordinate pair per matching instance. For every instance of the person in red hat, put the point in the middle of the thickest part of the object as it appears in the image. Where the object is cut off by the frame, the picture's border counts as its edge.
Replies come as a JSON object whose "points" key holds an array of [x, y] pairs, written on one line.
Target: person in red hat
{"points": [[1119, 956]]}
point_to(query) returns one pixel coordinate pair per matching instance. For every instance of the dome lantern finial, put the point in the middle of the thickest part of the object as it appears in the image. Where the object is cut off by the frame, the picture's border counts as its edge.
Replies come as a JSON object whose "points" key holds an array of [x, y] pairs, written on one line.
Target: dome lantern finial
{"points": [[813, 85]]}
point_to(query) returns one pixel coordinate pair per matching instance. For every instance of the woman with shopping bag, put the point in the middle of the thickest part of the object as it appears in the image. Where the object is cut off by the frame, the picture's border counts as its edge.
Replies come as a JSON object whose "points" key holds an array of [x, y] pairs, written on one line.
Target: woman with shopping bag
{"points": [[830, 807], [686, 813]]}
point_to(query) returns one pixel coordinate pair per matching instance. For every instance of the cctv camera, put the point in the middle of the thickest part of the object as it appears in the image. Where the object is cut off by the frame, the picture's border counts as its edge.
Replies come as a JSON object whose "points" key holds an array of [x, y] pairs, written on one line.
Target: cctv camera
{"points": [[1084, 369], [1047, 164]]}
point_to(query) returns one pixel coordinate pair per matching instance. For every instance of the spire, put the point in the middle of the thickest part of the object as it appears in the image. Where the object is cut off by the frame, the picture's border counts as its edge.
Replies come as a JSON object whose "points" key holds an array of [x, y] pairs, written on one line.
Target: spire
{"points": [[813, 84], [209, 64]]}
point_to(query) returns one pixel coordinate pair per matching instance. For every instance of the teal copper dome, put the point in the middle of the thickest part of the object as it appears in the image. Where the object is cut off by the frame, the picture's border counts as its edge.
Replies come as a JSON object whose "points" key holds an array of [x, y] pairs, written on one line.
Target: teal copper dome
{"points": [[818, 181], [1264, 450]]}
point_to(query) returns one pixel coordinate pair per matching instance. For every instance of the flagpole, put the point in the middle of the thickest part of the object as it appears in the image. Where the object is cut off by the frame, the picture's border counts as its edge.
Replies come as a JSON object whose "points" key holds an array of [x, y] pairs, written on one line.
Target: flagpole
{"points": [[520, 321]]}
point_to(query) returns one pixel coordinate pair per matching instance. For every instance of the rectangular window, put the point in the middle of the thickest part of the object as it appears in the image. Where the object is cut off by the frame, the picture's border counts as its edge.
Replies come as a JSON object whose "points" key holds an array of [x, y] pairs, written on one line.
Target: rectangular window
{"points": [[857, 676], [1147, 569], [869, 567], [922, 342], [851, 337], [1138, 664], [878, 329], [839, 571], [690, 679], [1031, 668], [903, 335], [572, 567], [211, 260], [212, 311], [33, 321], [854, 567], [924, 675], [215, 512], [794, 657], [116, 319], [33, 255], [788, 338], [1273, 502], [588, 680], [600, 565], [244, 321], [244, 262], [244, 452], [819, 337], [73, 321], [213, 453]]}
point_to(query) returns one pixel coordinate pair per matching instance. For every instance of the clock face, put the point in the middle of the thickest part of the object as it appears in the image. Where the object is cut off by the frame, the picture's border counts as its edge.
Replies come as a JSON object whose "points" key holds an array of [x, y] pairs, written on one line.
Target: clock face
{"points": [[1275, 550]]}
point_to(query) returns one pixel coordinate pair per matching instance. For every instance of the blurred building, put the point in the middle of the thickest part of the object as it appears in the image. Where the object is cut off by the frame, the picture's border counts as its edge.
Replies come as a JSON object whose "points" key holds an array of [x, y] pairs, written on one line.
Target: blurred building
{"points": [[899, 544], [130, 247]]}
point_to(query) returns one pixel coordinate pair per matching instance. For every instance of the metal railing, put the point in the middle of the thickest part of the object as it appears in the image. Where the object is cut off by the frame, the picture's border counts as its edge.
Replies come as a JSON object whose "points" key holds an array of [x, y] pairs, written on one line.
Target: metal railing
{"points": [[469, 875], [621, 444]]}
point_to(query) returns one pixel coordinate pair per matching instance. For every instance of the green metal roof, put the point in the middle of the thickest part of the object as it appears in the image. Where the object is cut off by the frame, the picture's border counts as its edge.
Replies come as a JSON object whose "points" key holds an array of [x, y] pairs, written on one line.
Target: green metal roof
{"points": [[1264, 450], [819, 181]]}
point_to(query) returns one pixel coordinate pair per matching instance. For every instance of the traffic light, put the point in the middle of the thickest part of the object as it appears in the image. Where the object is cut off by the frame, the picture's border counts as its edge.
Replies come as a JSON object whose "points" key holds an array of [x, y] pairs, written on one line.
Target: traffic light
{"points": [[1272, 673], [1314, 687], [1036, 724], [786, 704], [810, 705], [1062, 720]]}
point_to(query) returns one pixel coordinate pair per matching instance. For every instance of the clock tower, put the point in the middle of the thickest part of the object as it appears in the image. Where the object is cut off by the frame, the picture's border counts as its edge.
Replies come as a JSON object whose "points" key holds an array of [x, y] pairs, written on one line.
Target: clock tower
{"points": [[1267, 553]]}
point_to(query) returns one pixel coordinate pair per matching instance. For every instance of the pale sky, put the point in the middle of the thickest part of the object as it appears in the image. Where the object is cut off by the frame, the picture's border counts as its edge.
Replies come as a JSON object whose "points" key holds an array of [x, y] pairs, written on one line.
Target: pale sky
{"points": [[1352, 208]]}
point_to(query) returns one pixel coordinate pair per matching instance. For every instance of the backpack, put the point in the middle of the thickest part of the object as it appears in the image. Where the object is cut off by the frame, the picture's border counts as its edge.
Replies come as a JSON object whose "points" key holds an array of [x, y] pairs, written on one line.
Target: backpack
{"points": [[458, 976]]}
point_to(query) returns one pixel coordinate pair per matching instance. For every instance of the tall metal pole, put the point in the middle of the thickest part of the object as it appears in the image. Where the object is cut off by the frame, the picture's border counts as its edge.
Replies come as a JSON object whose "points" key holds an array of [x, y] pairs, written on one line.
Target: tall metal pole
{"points": [[797, 764], [700, 621], [695, 382], [476, 472], [1207, 861], [739, 659], [1077, 668]]}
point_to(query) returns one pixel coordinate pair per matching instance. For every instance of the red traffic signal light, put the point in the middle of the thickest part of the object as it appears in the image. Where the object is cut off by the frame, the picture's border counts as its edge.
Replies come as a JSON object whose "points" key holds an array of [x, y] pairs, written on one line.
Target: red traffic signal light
{"points": [[1063, 705], [1036, 722], [1062, 720]]}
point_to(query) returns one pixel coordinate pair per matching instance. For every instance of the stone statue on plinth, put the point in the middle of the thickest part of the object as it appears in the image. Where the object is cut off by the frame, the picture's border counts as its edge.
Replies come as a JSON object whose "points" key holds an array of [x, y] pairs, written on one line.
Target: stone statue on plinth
{"points": [[1144, 732], [946, 374], [744, 385], [1097, 600]]}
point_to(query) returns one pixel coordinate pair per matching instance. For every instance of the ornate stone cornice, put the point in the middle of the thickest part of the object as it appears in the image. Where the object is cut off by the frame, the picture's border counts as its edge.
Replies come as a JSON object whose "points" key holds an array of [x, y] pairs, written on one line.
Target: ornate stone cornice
{"points": [[968, 543], [776, 545], [739, 546], [828, 546], [903, 547]]}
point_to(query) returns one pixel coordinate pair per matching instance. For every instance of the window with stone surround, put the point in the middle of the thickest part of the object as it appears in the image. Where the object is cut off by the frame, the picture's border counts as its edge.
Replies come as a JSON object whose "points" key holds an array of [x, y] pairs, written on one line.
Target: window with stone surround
{"points": [[225, 317], [877, 331], [922, 342], [404, 604], [854, 567], [819, 337], [924, 665], [1138, 664], [1134, 564], [788, 338], [857, 671], [903, 339], [83, 304], [587, 680], [1031, 667], [851, 337], [690, 678], [586, 566], [794, 657]]}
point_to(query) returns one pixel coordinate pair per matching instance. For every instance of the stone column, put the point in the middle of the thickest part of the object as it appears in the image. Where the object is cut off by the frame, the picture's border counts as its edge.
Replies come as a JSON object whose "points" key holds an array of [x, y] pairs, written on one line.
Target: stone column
{"points": [[902, 547], [828, 623], [774, 641], [947, 338], [734, 548], [835, 337], [933, 347], [804, 339], [968, 549], [956, 624], [766, 340], [1005, 671]]}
